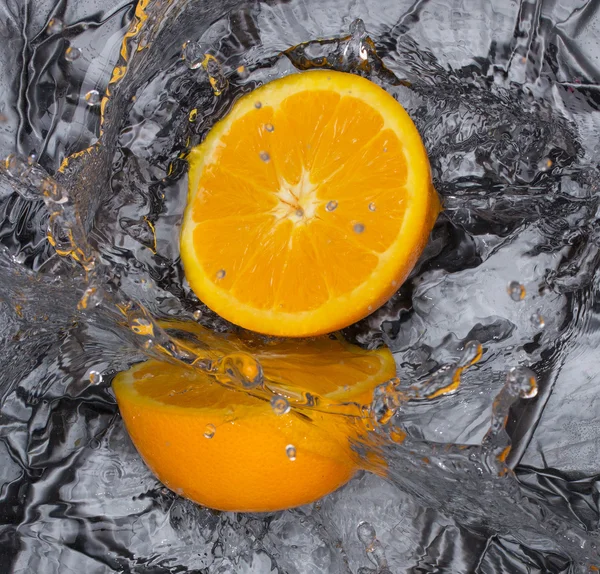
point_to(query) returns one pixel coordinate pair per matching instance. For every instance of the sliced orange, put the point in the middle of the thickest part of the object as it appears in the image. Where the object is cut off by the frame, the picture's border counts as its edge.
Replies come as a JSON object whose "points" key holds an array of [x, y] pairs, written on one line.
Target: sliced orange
{"points": [[308, 205], [229, 450]]}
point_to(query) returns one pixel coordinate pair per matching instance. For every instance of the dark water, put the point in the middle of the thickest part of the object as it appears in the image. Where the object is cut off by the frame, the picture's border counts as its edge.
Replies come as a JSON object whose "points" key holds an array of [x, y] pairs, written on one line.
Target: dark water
{"points": [[505, 95]]}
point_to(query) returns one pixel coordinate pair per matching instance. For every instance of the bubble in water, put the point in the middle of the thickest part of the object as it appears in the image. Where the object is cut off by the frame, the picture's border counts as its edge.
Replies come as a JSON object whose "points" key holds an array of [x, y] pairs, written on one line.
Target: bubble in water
{"points": [[197, 314], [270, 128], [358, 228], [72, 54], [221, 274], [258, 105], [264, 156], [538, 321], [372, 206], [290, 450], [55, 26], [280, 405], [209, 431], [366, 533], [95, 377], [522, 381], [516, 291], [331, 205], [299, 212], [92, 98]]}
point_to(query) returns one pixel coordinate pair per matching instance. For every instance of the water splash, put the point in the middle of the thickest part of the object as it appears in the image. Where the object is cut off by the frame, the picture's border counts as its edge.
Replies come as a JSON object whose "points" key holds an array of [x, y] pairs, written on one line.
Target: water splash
{"points": [[502, 159], [353, 53], [374, 549], [196, 55]]}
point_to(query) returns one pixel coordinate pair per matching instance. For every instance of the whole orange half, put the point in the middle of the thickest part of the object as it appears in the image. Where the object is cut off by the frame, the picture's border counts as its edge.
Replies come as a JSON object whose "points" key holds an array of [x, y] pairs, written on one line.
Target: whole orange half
{"points": [[308, 205], [230, 450]]}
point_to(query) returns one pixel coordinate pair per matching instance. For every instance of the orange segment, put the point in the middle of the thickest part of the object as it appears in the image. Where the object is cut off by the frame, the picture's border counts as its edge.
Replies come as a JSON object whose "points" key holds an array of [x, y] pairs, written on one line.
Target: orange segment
{"points": [[227, 449], [352, 125], [222, 194], [319, 184]]}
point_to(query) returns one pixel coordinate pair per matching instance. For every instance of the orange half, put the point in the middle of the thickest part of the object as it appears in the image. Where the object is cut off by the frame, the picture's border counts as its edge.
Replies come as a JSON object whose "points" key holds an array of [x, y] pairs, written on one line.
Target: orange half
{"points": [[231, 451], [308, 205]]}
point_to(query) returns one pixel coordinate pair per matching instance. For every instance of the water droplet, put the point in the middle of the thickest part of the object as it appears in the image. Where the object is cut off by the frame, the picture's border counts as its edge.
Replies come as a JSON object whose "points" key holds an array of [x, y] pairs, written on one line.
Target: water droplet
{"points": [[95, 377], [290, 450], [193, 55], [522, 381], [197, 314], [357, 28], [221, 274], [358, 228], [72, 54], [516, 291], [264, 156], [538, 321], [92, 98], [209, 431], [15, 166], [258, 105], [372, 206], [55, 26], [331, 205], [270, 128], [280, 405], [299, 212], [366, 533]]}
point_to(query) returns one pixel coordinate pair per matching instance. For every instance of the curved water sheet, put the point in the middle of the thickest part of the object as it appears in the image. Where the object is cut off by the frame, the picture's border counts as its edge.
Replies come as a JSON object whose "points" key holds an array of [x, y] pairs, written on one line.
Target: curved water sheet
{"points": [[506, 97]]}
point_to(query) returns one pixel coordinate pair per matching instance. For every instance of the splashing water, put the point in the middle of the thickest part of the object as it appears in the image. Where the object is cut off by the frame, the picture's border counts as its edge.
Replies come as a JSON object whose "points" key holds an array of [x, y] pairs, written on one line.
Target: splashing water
{"points": [[512, 136]]}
